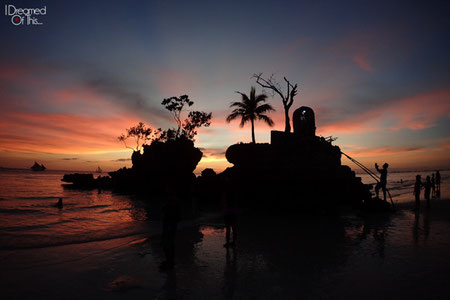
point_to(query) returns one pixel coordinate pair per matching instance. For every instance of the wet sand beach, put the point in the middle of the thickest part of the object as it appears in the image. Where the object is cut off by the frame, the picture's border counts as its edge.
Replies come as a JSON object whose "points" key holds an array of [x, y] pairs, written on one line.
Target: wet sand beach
{"points": [[404, 255]]}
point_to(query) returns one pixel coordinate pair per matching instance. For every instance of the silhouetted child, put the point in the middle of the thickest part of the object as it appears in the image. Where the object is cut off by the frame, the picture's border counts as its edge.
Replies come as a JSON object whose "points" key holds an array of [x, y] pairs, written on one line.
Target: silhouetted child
{"points": [[383, 180], [59, 204], [417, 187], [433, 186], [428, 190], [229, 214], [171, 217]]}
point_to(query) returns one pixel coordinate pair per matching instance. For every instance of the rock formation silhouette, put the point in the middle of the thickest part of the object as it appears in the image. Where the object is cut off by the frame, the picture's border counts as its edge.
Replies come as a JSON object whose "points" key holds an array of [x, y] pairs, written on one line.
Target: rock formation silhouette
{"points": [[295, 170]]}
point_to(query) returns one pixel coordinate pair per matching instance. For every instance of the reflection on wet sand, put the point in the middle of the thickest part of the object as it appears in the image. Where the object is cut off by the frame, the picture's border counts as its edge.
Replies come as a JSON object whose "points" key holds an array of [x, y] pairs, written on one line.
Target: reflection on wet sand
{"points": [[284, 257], [230, 273], [376, 225], [426, 226], [306, 257], [416, 228]]}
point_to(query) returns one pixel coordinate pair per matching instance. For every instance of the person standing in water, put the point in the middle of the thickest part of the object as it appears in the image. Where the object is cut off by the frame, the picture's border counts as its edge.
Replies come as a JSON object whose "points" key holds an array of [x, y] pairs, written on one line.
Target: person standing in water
{"points": [[59, 204], [417, 187], [383, 180], [427, 190]]}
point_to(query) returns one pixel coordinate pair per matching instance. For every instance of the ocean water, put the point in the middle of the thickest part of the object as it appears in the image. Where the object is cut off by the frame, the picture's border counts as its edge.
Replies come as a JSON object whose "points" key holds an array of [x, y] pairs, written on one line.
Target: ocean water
{"points": [[401, 184], [29, 218]]}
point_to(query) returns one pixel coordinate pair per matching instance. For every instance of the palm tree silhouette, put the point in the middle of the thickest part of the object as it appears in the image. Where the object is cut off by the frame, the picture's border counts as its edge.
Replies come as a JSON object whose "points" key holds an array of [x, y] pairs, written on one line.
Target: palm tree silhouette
{"points": [[249, 109]]}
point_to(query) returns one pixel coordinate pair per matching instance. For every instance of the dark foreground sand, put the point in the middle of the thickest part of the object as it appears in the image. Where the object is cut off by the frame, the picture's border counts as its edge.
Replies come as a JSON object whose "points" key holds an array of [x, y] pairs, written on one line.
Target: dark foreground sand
{"points": [[396, 256]]}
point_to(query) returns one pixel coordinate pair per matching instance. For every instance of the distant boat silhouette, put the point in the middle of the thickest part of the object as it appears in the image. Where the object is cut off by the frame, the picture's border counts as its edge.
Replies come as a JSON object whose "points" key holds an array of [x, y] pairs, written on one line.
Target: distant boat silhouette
{"points": [[99, 170], [38, 167]]}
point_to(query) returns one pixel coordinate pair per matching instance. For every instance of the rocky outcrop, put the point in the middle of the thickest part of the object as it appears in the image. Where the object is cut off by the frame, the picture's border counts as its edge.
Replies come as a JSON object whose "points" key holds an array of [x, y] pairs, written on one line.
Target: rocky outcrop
{"points": [[172, 162], [171, 159], [161, 163], [80, 180], [295, 170]]}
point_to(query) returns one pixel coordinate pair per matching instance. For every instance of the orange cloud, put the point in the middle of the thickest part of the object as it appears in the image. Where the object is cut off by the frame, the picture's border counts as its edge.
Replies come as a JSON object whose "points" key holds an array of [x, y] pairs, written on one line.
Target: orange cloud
{"points": [[62, 133], [359, 123], [414, 112], [420, 111], [382, 151]]}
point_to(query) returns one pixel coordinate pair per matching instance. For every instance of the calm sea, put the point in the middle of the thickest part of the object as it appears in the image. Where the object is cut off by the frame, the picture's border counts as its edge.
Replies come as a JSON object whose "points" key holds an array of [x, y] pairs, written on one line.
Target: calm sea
{"points": [[29, 218]]}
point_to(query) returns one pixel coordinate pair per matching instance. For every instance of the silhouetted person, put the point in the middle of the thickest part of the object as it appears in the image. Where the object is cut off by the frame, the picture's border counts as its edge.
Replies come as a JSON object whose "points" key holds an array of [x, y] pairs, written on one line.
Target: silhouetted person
{"points": [[417, 187], [171, 217], [383, 180], [428, 190], [229, 214], [59, 204], [433, 186], [438, 183]]}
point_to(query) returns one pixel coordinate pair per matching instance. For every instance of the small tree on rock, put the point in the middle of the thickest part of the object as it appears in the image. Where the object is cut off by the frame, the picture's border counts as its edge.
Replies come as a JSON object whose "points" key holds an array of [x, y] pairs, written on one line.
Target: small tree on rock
{"points": [[141, 135], [188, 127]]}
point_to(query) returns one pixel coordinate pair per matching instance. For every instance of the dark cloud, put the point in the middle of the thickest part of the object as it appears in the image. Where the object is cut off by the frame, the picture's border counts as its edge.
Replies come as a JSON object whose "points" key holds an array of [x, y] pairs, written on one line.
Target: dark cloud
{"points": [[122, 159], [126, 95], [70, 158]]}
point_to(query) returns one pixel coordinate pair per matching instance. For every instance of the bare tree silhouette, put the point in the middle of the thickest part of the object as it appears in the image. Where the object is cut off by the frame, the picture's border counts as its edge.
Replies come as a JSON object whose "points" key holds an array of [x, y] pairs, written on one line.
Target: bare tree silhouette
{"points": [[287, 100], [250, 109]]}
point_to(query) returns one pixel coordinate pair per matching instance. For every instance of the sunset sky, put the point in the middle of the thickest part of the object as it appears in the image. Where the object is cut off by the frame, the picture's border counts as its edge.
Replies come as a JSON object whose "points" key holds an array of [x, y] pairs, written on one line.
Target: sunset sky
{"points": [[377, 74]]}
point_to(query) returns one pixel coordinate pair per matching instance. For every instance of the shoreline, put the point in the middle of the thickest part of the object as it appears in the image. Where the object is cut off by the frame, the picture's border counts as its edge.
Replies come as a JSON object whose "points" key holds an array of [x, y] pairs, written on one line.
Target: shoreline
{"points": [[341, 247]]}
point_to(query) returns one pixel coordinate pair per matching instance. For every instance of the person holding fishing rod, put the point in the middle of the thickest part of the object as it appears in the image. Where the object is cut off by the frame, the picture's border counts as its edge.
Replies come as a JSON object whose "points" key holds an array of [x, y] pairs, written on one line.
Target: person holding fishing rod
{"points": [[383, 180]]}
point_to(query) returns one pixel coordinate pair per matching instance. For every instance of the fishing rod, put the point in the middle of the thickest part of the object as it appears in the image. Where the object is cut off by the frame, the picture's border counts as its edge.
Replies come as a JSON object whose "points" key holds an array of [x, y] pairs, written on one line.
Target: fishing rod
{"points": [[372, 174]]}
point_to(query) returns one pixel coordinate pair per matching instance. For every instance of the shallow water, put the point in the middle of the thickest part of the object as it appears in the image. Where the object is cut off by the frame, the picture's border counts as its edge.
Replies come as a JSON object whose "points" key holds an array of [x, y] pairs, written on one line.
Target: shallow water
{"points": [[29, 218]]}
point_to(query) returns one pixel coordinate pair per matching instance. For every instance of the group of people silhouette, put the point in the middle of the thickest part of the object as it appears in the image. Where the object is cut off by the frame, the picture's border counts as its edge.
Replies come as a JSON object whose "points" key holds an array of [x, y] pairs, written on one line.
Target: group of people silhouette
{"points": [[431, 186]]}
